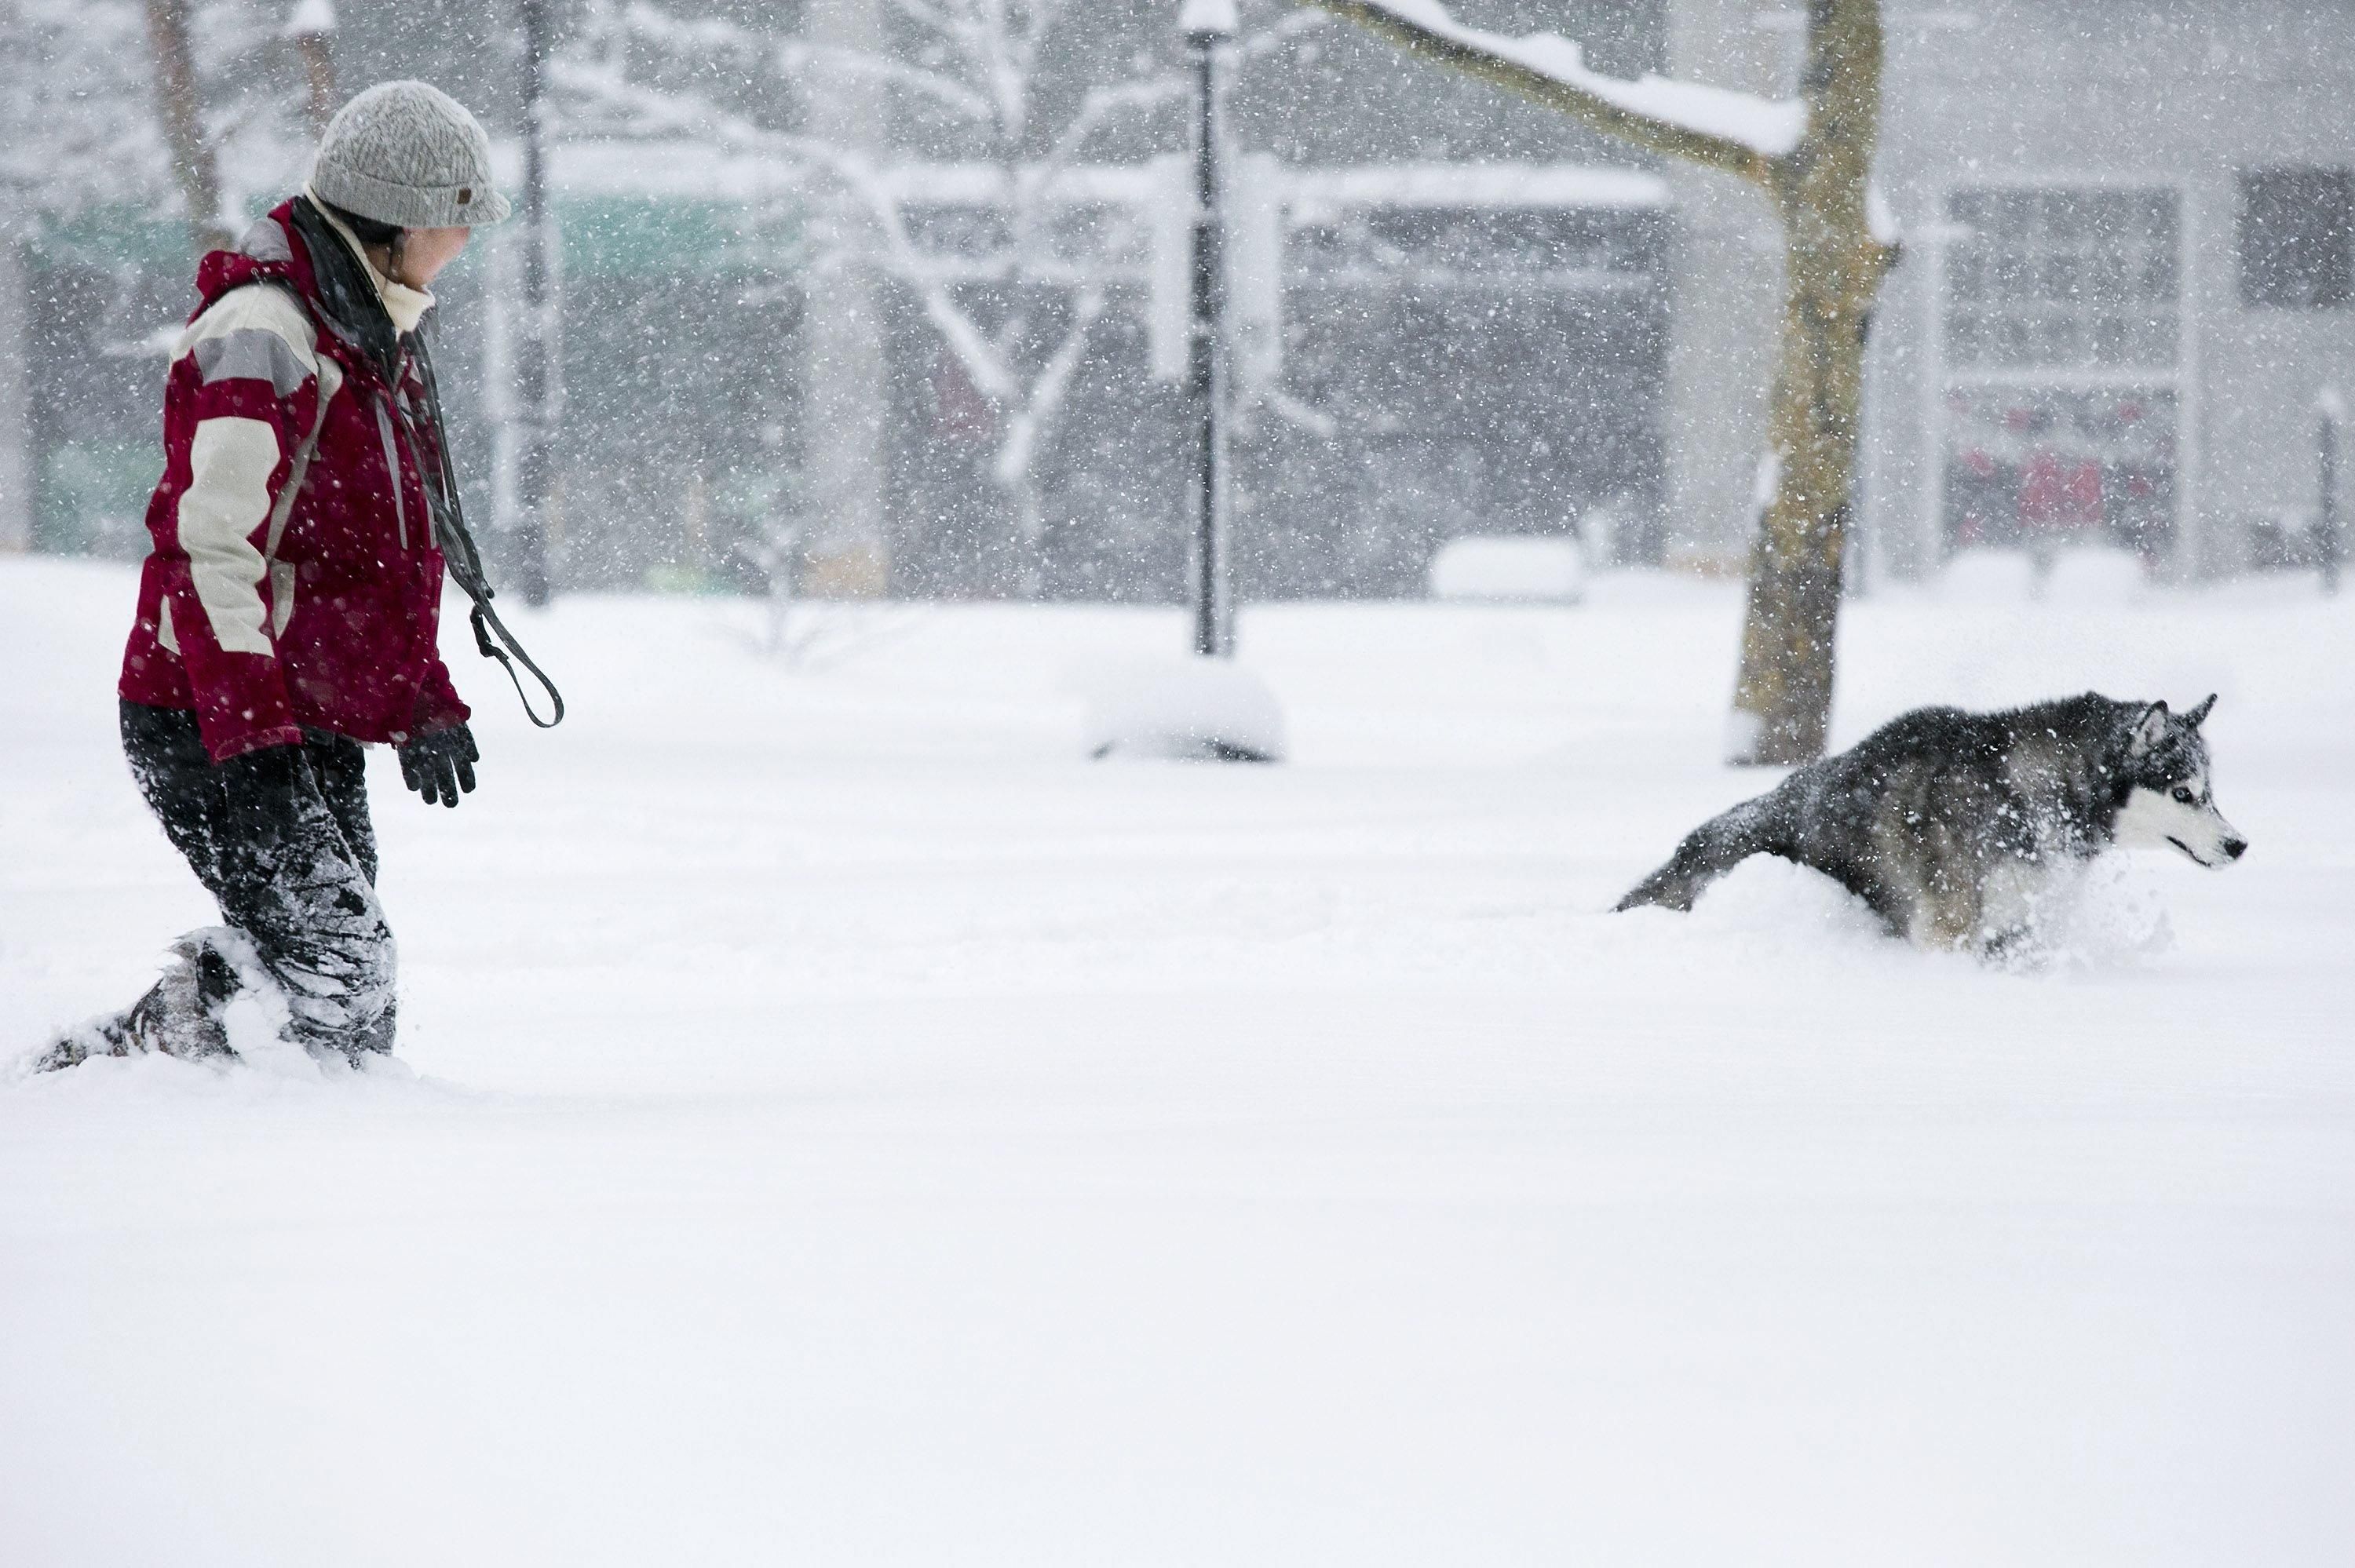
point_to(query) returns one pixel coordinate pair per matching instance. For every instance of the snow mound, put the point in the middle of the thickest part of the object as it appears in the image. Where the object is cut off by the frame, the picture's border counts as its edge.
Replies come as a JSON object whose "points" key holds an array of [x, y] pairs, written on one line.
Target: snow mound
{"points": [[1194, 709], [2080, 573], [2103, 919], [1987, 576], [1772, 908], [1207, 16], [2092, 574], [1509, 569]]}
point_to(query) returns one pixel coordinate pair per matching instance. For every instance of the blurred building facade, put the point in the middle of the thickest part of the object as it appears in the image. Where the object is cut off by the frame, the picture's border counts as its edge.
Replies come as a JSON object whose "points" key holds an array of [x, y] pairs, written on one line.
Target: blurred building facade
{"points": [[2129, 272], [2129, 268]]}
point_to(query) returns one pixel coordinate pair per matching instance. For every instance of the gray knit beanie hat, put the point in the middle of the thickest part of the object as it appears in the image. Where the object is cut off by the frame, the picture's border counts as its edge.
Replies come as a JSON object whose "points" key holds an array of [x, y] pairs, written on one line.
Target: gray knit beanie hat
{"points": [[407, 154]]}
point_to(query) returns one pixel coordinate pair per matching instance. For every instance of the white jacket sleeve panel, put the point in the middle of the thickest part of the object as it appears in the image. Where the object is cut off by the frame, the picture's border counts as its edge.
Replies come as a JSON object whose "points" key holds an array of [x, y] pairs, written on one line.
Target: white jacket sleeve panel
{"points": [[230, 465], [254, 349]]}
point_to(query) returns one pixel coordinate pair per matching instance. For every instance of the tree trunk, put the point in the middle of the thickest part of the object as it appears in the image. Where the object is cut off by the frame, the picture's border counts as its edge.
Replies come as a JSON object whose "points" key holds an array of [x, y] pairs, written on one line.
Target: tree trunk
{"points": [[181, 107], [1833, 266], [319, 77], [1833, 269]]}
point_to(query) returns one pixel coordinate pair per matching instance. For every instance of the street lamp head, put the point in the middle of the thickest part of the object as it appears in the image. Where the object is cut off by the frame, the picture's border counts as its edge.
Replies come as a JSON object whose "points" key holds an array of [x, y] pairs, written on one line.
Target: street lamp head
{"points": [[1208, 19]]}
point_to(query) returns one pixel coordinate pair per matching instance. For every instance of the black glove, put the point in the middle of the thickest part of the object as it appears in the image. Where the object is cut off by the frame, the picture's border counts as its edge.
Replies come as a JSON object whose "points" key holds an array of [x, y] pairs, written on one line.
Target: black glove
{"points": [[442, 765]]}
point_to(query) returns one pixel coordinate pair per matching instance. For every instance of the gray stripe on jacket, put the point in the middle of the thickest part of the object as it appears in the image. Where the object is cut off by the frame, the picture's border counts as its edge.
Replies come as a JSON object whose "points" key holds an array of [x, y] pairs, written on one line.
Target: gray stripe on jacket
{"points": [[252, 353]]}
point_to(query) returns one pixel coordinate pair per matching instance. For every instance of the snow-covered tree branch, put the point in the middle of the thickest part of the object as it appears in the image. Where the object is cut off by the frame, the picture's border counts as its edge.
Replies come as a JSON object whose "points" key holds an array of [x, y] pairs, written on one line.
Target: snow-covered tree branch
{"points": [[1738, 132]]}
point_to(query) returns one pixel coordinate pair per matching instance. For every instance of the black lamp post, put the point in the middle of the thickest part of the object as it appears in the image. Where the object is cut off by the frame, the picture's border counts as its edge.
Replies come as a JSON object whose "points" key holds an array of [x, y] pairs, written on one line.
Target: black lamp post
{"points": [[1208, 27], [1208, 707]]}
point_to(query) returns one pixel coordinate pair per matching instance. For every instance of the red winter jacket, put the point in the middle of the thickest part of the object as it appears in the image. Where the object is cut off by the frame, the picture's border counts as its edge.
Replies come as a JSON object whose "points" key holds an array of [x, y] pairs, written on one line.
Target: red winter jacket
{"points": [[332, 628]]}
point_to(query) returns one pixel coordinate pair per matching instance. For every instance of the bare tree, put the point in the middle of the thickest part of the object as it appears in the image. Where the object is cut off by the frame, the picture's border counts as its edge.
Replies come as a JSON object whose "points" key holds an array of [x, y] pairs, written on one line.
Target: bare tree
{"points": [[128, 102], [1813, 159], [1014, 300], [179, 105], [108, 104], [75, 133], [310, 29], [74, 129], [244, 69]]}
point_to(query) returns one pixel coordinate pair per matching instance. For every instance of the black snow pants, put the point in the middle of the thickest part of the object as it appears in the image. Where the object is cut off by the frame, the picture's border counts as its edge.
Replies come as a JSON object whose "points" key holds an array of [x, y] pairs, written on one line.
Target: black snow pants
{"points": [[284, 845]]}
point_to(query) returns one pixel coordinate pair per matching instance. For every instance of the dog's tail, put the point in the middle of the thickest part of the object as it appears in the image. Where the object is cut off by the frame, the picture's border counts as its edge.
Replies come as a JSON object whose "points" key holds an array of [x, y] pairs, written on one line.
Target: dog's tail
{"points": [[1709, 852]]}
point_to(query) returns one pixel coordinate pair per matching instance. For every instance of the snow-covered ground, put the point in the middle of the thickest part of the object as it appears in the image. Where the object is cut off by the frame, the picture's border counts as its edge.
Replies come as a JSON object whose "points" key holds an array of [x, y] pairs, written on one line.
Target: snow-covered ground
{"points": [[849, 1127]]}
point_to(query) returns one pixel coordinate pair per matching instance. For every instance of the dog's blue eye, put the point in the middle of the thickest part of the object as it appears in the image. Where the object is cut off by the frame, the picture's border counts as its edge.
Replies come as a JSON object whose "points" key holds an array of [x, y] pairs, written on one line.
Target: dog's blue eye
{"points": [[2182, 794]]}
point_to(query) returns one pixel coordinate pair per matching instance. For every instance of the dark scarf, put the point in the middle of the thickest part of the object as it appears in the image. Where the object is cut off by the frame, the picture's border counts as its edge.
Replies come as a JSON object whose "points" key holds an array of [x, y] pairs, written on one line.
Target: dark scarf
{"points": [[349, 296]]}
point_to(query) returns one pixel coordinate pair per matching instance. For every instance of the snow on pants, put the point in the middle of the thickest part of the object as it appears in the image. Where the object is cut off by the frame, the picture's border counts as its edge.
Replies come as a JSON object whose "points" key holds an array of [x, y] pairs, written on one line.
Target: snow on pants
{"points": [[290, 857]]}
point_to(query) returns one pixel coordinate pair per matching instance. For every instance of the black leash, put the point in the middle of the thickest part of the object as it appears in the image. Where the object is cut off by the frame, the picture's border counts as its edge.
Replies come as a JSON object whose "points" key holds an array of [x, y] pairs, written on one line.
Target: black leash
{"points": [[352, 299], [465, 562], [485, 621]]}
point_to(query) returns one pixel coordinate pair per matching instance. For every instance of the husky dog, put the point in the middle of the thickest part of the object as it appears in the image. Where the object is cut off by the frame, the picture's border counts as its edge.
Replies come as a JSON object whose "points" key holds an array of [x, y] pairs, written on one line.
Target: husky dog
{"points": [[1952, 826]]}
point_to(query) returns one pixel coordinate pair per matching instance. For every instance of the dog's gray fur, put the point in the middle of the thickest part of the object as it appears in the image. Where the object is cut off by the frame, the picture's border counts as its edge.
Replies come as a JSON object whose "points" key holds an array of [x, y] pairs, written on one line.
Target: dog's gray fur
{"points": [[1951, 825]]}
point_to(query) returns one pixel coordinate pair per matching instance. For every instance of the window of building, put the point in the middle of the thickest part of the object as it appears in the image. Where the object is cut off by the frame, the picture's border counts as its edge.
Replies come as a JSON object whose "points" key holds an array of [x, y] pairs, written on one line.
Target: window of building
{"points": [[2068, 277], [2297, 238], [2062, 365]]}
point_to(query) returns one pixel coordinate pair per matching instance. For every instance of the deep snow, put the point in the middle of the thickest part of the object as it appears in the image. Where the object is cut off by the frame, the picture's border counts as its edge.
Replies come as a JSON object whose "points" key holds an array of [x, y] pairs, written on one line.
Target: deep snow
{"points": [[849, 1127]]}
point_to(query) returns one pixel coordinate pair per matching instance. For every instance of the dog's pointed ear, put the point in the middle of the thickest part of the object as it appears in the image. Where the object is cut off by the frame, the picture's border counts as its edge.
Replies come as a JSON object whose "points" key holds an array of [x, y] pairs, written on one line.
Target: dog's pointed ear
{"points": [[2148, 730], [2196, 715]]}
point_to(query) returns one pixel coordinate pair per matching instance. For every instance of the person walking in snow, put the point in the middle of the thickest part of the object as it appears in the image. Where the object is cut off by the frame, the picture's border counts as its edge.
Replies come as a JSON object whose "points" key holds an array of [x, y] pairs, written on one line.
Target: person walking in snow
{"points": [[289, 609]]}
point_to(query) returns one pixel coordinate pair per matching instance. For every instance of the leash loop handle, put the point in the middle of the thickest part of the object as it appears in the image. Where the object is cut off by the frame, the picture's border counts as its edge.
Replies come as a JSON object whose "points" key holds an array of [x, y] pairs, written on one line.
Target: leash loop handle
{"points": [[485, 620]]}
